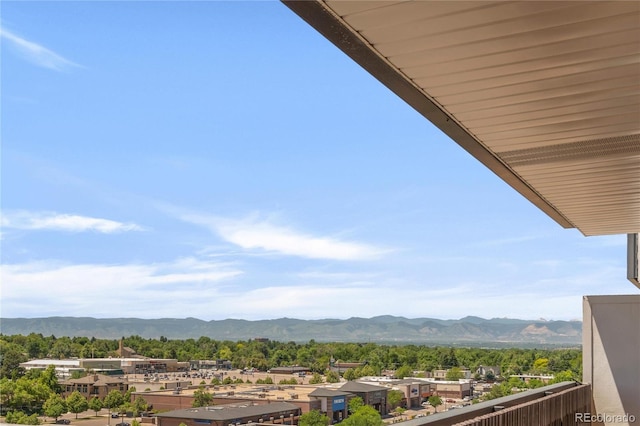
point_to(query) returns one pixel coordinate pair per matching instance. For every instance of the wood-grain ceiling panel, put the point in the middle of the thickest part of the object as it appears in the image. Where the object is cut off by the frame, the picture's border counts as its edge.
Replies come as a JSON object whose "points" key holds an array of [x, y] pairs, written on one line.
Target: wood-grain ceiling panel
{"points": [[529, 139], [549, 27], [403, 14], [509, 114], [522, 72], [496, 98], [571, 118], [446, 51], [421, 22], [348, 7], [562, 52], [626, 66]]}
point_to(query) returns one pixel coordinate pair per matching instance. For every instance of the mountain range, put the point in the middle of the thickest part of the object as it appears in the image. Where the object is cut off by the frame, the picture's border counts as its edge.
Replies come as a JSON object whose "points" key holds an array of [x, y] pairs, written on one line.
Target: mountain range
{"points": [[467, 331]]}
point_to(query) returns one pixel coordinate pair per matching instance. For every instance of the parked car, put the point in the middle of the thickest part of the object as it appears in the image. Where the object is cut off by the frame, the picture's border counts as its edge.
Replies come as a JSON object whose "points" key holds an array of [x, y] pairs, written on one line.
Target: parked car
{"points": [[115, 415], [123, 424], [63, 421]]}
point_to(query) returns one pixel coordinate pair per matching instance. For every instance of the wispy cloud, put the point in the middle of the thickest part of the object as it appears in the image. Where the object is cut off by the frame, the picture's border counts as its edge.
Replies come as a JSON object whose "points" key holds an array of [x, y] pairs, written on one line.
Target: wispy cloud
{"points": [[256, 233], [63, 222], [35, 53], [112, 290]]}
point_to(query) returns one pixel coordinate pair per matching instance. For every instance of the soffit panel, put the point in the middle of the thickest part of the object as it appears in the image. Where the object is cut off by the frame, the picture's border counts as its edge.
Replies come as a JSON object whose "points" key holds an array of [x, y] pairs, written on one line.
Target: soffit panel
{"points": [[551, 90]]}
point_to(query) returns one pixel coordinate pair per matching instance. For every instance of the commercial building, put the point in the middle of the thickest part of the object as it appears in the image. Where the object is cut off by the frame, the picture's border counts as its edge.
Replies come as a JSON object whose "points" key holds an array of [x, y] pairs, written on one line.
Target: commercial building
{"points": [[232, 414], [333, 402], [108, 366], [373, 395], [233, 394], [64, 368]]}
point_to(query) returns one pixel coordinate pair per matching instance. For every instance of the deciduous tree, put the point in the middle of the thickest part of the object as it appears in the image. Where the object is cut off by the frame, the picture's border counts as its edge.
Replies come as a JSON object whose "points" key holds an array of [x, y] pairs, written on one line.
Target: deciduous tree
{"points": [[313, 418], [202, 398], [435, 401], [454, 373], [76, 403], [95, 404], [355, 404], [113, 400], [394, 398], [55, 406], [364, 416]]}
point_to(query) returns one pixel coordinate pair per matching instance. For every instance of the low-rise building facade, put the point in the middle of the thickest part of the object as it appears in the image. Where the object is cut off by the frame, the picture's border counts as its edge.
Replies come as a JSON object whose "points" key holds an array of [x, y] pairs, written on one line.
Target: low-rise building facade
{"points": [[232, 414], [92, 385]]}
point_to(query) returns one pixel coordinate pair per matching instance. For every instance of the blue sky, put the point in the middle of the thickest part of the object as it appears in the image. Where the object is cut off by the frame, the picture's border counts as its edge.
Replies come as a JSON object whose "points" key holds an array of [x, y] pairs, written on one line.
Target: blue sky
{"points": [[223, 160]]}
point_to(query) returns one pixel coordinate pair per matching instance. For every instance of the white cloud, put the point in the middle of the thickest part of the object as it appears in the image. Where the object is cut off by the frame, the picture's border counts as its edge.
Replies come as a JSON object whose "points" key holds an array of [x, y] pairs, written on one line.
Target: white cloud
{"points": [[63, 222], [193, 287], [37, 54], [255, 233], [51, 288]]}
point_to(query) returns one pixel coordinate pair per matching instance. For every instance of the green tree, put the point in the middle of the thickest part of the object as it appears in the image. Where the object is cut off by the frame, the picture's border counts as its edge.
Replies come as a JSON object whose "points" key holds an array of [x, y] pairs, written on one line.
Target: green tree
{"points": [[225, 353], [355, 404], [127, 394], [54, 406], [394, 398], [113, 400], [350, 374], [266, 381], [7, 390], [541, 365], [50, 379], [139, 405], [29, 394], [95, 404], [202, 398], [454, 374], [403, 371], [398, 411], [12, 356], [368, 370], [332, 377], [313, 418], [364, 416], [316, 379], [435, 401], [20, 418], [76, 403], [563, 376]]}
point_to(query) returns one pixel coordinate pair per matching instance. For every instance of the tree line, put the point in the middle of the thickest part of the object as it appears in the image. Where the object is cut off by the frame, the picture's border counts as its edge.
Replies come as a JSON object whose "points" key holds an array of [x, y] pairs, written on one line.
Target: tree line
{"points": [[264, 355]]}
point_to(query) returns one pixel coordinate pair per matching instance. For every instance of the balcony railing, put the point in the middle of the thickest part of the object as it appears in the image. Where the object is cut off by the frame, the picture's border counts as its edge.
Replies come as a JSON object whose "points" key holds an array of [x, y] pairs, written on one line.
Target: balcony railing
{"points": [[553, 405]]}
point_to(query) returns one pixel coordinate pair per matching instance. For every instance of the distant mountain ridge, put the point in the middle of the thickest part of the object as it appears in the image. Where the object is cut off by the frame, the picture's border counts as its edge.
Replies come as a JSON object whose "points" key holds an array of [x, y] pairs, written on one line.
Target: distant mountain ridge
{"points": [[470, 330]]}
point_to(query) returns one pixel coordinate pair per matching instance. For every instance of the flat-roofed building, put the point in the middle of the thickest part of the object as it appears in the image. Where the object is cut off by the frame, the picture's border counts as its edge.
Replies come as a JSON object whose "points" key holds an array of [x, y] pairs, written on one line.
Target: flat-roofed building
{"points": [[231, 414], [234, 394], [295, 369], [64, 368]]}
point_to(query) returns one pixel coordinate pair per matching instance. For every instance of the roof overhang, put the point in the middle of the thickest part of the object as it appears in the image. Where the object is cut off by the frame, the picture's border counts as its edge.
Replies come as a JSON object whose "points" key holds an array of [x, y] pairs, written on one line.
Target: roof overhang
{"points": [[545, 94]]}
